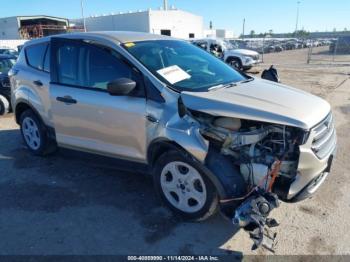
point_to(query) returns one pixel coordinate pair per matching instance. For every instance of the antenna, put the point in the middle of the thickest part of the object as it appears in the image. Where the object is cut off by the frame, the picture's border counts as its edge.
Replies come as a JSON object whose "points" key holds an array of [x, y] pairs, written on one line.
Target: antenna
{"points": [[165, 4]]}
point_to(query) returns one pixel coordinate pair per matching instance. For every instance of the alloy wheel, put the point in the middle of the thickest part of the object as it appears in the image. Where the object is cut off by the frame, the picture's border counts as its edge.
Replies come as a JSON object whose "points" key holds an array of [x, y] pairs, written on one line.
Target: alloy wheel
{"points": [[31, 133]]}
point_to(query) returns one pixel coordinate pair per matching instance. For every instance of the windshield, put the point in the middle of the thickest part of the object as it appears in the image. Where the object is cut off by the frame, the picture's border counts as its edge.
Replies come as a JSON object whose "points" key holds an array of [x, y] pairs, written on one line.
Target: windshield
{"points": [[183, 66], [6, 64], [227, 44]]}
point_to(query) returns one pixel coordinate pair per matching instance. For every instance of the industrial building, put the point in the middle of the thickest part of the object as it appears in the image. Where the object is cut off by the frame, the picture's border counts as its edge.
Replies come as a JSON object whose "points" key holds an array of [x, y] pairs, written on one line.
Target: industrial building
{"points": [[28, 27], [219, 33], [166, 21]]}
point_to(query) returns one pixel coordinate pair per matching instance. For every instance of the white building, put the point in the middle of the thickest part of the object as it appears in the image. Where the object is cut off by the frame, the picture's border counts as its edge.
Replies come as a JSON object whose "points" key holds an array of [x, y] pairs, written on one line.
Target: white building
{"points": [[173, 22], [219, 33], [27, 27]]}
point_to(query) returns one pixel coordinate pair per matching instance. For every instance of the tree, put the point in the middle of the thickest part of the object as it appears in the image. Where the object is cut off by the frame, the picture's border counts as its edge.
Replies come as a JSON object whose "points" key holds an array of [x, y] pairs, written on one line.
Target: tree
{"points": [[334, 29], [270, 31], [345, 29], [252, 33], [301, 33]]}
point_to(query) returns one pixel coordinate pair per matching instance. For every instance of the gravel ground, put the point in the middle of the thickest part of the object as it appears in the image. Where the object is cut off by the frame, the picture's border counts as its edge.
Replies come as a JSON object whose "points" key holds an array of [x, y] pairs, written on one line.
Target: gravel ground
{"points": [[72, 203]]}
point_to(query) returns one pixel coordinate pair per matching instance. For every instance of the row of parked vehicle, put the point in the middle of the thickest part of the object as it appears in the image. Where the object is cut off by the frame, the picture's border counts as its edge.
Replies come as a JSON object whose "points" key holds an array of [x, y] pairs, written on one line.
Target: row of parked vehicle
{"points": [[278, 45], [244, 54], [340, 46]]}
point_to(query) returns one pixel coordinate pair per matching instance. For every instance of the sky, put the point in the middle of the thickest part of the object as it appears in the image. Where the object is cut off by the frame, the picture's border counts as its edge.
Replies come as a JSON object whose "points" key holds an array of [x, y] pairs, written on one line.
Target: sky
{"points": [[260, 15]]}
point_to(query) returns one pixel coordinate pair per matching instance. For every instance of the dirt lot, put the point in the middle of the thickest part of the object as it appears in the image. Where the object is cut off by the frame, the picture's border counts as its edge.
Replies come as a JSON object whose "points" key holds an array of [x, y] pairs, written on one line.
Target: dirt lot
{"points": [[70, 203]]}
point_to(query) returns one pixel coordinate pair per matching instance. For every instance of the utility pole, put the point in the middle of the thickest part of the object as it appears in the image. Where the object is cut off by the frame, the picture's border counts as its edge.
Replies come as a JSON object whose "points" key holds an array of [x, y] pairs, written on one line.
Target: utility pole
{"points": [[165, 4], [82, 13], [297, 20], [243, 28]]}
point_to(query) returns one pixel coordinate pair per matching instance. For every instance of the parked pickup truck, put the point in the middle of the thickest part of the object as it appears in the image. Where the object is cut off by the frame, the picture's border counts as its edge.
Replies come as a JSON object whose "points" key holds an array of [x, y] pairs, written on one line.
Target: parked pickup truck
{"points": [[209, 134], [242, 59]]}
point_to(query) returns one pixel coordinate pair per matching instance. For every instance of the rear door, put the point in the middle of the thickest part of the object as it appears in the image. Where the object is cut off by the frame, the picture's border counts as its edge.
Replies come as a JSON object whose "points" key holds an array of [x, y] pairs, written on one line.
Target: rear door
{"points": [[85, 115], [36, 76]]}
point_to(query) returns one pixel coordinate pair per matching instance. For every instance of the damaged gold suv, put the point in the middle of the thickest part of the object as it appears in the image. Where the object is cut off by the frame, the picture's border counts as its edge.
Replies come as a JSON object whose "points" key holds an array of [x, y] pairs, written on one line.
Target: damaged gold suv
{"points": [[209, 134]]}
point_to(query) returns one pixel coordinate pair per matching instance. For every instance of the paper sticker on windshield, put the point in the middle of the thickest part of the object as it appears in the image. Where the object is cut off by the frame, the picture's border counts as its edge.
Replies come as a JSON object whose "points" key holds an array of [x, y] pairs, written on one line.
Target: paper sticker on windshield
{"points": [[173, 74]]}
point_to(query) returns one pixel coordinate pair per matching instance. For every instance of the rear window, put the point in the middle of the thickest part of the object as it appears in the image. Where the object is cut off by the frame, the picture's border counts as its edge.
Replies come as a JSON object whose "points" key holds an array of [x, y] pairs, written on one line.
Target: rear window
{"points": [[35, 55]]}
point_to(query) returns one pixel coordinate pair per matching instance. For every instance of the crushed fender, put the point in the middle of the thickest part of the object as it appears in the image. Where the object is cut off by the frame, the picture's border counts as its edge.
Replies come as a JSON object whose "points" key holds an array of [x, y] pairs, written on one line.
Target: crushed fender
{"points": [[252, 216]]}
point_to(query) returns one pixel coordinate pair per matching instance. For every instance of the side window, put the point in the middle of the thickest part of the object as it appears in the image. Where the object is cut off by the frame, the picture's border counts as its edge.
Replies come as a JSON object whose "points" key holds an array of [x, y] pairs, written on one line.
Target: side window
{"points": [[35, 55], [47, 59], [92, 66], [67, 64], [102, 66]]}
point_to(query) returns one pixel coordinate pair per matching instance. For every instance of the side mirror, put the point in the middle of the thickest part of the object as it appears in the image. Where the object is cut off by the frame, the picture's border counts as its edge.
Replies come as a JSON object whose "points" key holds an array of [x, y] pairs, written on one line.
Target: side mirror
{"points": [[121, 86]]}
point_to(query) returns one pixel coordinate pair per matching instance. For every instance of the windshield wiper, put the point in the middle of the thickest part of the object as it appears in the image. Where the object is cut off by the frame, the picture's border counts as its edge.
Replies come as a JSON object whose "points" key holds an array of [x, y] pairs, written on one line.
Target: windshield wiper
{"points": [[245, 81], [221, 86], [230, 84]]}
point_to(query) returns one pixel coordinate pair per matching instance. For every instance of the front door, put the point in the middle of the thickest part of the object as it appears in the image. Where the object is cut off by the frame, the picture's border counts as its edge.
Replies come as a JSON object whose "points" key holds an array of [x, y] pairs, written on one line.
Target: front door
{"points": [[85, 115]]}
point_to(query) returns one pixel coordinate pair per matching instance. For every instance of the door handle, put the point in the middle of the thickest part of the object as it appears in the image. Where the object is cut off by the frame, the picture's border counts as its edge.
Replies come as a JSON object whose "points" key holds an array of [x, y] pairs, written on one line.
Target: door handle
{"points": [[38, 83], [152, 119], [66, 100]]}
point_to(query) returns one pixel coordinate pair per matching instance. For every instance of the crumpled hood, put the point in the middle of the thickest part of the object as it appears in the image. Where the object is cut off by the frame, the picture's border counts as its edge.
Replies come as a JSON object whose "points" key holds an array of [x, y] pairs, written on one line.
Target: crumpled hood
{"points": [[242, 52], [261, 100]]}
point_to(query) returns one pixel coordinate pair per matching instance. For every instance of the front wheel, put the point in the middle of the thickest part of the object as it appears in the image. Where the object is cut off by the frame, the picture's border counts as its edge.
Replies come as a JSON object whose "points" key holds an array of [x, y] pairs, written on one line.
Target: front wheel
{"points": [[235, 63], [184, 187]]}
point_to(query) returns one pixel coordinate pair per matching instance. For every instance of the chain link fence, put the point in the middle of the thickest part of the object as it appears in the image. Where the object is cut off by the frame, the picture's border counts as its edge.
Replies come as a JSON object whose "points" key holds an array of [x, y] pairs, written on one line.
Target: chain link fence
{"points": [[336, 50]]}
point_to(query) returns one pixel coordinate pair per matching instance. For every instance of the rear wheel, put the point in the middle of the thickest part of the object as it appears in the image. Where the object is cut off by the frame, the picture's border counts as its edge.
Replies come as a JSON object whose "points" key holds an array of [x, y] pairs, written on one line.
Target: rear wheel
{"points": [[35, 134], [184, 187]]}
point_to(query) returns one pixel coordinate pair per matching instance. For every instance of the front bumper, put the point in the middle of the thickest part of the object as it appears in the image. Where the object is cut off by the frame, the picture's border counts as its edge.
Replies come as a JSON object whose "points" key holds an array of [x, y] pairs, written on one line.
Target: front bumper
{"points": [[251, 63], [315, 183], [313, 167], [311, 188]]}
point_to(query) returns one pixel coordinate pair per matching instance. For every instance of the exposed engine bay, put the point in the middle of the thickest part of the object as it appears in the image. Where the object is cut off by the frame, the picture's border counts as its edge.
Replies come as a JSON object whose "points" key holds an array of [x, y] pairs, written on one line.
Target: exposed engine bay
{"points": [[255, 148], [266, 156]]}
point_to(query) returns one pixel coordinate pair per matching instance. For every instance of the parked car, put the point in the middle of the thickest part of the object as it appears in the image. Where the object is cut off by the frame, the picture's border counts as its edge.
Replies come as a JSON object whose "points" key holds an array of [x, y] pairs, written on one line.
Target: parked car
{"points": [[8, 51], [270, 49], [291, 45], [6, 63], [239, 44], [242, 59], [206, 132], [278, 48]]}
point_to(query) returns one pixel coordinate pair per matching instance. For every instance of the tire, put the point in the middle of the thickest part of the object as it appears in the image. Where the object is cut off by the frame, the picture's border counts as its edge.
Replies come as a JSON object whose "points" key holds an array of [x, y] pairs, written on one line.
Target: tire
{"points": [[4, 105], [34, 134], [236, 63], [184, 187], [246, 68]]}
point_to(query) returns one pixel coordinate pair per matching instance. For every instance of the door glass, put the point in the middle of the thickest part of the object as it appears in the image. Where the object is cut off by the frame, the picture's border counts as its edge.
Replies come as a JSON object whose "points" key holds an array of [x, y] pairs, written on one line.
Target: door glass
{"points": [[67, 64], [91, 66], [102, 66]]}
